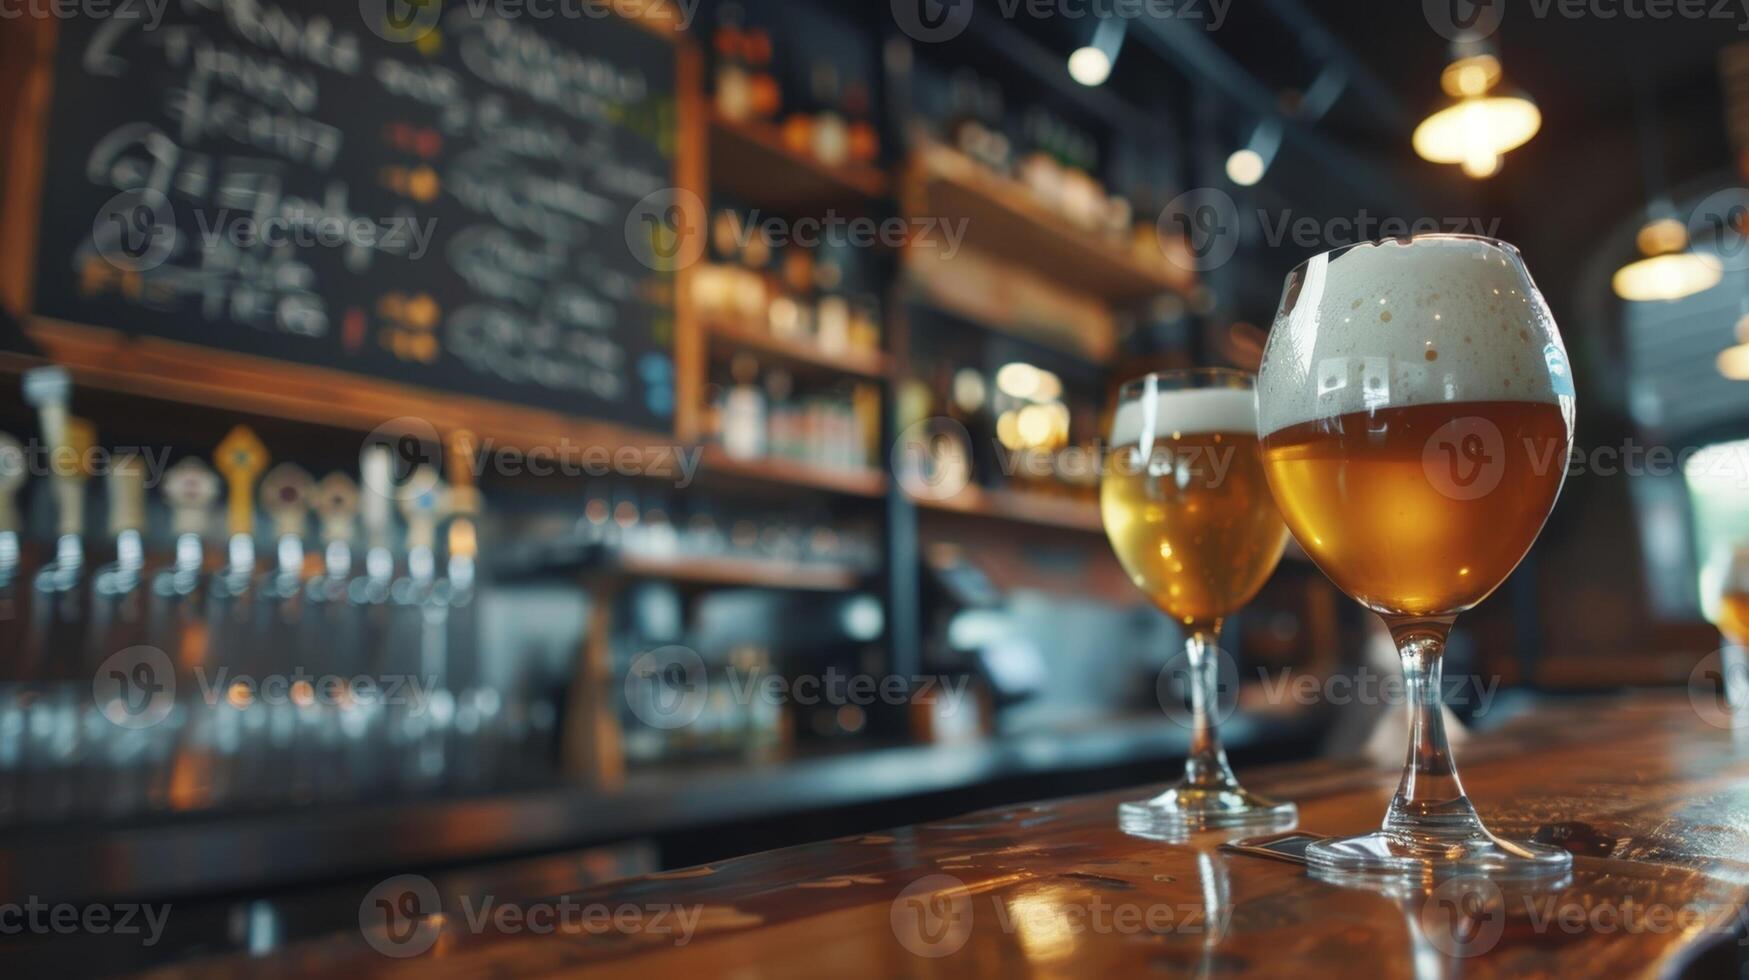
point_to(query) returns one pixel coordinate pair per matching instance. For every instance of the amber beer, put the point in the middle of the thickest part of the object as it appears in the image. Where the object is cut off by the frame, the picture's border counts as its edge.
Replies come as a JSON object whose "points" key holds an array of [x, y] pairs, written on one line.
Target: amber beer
{"points": [[1734, 617], [1190, 516], [1422, 509]]}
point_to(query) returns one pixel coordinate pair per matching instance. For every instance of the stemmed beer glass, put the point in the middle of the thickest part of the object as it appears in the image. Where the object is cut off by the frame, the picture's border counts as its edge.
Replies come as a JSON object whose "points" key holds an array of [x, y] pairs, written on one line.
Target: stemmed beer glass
{"points": [[1416, 411], [1188, 513]]}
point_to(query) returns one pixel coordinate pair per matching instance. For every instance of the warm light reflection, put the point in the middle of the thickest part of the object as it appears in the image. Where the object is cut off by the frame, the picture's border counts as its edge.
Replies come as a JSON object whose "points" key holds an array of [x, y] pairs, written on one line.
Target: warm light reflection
{"points": [[1045, 921]]}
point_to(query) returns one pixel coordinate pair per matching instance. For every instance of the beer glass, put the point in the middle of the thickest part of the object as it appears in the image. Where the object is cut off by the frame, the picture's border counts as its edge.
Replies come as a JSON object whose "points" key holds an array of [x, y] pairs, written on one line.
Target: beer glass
{"points": [[1732, 617], [1186, 509], [1416, 412], [1728, 608]]}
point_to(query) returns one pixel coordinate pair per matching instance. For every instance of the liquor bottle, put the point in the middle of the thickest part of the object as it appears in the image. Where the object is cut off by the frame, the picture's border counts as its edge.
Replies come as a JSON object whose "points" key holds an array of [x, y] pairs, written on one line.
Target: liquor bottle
{"points": [[832, 307], [865, 139], [734, 82], [765, 94], [830, 138], [744, 411]]}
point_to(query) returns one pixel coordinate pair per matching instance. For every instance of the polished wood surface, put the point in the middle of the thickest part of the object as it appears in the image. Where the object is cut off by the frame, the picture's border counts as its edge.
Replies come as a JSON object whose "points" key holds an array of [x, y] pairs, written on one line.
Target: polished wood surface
{"points": [[1653, 801]]}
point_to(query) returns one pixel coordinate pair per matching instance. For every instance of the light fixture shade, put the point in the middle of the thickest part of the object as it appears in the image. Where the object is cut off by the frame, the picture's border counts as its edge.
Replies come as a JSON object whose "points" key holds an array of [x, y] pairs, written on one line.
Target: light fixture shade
{"points": [[1673, 275], [1473, 131]]}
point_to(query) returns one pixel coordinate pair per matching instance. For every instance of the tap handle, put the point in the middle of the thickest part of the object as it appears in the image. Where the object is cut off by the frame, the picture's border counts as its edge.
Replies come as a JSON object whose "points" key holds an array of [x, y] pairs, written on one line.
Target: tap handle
{"points": [[286, 495], [190, 487], [337, 507], [127, 495], [424, 503], [376, 471], [240, 458], [12, 473]]}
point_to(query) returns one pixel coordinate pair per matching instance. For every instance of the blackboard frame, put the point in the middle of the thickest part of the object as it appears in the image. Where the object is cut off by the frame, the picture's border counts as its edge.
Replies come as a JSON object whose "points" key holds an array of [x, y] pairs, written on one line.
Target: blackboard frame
{"points": [[105, 357]]}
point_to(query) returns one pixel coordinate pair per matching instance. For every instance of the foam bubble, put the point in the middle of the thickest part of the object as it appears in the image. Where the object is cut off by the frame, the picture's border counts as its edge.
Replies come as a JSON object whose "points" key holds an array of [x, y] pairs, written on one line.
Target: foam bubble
{"points": [[1388, 325], [1191, 411]]}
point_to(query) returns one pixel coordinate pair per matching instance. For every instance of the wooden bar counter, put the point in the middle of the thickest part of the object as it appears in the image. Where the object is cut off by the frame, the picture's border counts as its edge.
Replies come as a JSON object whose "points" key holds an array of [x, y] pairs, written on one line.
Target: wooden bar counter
{"points": [[1652, 801]]}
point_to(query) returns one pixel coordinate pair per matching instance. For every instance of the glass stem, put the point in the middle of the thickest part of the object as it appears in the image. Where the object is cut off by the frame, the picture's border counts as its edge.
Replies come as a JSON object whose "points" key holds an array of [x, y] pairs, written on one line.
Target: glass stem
{"points": [[1430, 800], [1207, 762]]}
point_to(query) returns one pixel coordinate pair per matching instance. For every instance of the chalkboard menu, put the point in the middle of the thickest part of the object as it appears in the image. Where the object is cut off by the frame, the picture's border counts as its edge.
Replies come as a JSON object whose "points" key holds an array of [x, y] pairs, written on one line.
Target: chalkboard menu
{"points": [[451, 204]]}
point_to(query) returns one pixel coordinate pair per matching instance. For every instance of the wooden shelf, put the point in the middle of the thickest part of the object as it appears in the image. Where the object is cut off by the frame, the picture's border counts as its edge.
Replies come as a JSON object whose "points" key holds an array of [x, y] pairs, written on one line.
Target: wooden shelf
{"points": [[1004, 221], [742, 572], [1022, 507], [856, 483], [191, 375], [749, 160], [875, 365]]}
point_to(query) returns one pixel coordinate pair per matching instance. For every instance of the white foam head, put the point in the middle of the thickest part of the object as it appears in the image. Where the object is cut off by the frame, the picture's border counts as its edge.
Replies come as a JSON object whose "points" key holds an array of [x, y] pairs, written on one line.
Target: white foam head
{"points": [[1189, 411], [1447, 319]]}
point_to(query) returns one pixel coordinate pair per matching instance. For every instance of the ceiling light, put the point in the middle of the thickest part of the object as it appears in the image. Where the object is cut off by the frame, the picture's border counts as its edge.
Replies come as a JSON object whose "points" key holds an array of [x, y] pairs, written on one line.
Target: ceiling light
{"points": [[1249, 163], [1091, 63], [1478, 129], [1669, 270], [1089, 66], [1245, 167], [1470, 75], [1734, 362], [1483, 121]]}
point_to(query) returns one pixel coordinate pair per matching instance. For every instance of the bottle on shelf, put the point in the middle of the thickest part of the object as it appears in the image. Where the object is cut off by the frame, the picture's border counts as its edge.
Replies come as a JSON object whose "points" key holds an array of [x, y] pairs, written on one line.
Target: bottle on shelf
{"points": [[830, 135], [743, 414], [734, 78], [864, 139]]}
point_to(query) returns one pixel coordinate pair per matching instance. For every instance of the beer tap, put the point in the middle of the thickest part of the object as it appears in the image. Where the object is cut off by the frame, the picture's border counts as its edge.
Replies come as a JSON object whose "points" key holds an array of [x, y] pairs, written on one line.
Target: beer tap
{"points": [[239, 458], [117, 612], [331, 629], [286, 494], [59, 616], [418, 648], [179, 628], [116, 777], [12, 473], [331, 624], [369, 595], [476, 706], [13, 627], [50, 390]]}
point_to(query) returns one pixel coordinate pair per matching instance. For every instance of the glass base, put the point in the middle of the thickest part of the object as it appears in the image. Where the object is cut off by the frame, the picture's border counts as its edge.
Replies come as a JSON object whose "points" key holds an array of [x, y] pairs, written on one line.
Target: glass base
{"points": [[1384, 854], [1186, 808]]}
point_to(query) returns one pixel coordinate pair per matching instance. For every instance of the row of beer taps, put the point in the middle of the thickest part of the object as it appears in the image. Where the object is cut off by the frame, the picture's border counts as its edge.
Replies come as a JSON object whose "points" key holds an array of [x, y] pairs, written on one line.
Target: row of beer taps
{"points": [[194, 680]]}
